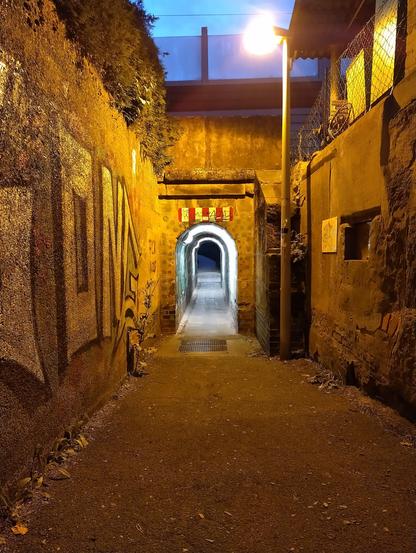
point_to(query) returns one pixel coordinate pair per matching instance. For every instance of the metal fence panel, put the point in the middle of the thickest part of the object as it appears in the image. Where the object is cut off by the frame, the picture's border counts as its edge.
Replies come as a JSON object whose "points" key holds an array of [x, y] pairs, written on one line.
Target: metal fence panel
{"points": [[367, 70]]}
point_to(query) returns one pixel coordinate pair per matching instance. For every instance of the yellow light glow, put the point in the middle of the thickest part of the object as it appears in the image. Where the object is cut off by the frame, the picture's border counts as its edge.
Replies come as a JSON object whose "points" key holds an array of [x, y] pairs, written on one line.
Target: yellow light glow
{"points": [[384, 49], [356, 87], [259, 37]]}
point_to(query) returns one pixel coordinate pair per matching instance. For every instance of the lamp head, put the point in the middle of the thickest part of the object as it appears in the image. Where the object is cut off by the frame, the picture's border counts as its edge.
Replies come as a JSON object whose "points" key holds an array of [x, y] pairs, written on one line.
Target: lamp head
{"points": [[261, 37]]}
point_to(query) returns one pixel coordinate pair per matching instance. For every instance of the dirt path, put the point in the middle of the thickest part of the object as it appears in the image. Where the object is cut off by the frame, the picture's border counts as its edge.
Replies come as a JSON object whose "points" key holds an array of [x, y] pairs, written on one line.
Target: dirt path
{"points": [[228, 453]]}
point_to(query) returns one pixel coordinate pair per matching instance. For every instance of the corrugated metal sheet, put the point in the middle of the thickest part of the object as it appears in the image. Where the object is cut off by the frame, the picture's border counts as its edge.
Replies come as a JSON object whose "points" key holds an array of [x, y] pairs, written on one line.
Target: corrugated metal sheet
{"points": [[317, 25]]}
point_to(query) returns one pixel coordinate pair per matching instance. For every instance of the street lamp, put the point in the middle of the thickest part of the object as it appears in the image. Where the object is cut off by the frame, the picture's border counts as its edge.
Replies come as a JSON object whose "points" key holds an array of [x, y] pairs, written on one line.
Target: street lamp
{"points": [[262, 38]]}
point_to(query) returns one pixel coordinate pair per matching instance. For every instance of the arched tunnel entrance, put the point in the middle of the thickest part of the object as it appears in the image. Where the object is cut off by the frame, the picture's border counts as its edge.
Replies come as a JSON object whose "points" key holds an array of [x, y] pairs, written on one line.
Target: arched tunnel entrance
{"points": [[206, 281]]}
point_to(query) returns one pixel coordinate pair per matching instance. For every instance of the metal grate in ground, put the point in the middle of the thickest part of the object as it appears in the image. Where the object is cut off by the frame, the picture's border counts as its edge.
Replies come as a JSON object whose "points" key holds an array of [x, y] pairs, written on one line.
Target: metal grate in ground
{"points": [[202, 346]]}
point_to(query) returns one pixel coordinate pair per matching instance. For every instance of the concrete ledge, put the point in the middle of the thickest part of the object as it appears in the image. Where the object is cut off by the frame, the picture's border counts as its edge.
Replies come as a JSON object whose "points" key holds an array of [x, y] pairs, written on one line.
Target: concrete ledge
{"points": [[203, 176], [205, 190]]}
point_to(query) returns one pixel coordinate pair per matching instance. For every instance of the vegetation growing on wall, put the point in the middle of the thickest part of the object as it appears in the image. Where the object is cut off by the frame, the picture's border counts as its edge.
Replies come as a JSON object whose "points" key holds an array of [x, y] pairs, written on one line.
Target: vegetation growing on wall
{"points": [[115, 36]]}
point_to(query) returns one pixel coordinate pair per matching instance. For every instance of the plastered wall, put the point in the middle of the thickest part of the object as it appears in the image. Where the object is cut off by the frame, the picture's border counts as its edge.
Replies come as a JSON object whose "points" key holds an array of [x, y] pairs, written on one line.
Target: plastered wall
{"points": [[363, 311], [228, 142]]}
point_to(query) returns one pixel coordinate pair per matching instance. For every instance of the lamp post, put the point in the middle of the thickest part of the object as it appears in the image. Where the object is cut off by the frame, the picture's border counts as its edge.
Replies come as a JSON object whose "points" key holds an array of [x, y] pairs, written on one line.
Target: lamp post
{"points": [[261, 38]]}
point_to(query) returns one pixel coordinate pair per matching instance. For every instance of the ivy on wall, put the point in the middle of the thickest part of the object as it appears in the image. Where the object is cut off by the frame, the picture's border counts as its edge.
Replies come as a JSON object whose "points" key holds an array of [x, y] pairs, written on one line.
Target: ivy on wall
{"points": [[115, 36]]}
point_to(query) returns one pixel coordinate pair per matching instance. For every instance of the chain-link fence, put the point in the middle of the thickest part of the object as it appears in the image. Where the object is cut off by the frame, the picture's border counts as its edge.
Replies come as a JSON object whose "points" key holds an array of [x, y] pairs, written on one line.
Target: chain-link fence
{"points": [[367, 70]]}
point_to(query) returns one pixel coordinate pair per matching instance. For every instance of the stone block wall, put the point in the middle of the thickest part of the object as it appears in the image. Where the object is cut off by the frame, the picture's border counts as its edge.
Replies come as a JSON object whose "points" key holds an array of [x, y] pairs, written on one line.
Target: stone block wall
{"points": [[79, 235]]}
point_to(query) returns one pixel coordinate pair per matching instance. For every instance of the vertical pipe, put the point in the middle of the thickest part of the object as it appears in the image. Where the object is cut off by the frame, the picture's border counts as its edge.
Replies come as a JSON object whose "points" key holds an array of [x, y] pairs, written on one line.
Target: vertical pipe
{"points": [[204, 54], [285, 259]]}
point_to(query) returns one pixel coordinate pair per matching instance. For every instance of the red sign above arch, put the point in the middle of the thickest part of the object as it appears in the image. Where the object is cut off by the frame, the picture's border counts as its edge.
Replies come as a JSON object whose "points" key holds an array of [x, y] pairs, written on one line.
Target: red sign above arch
{"points": [[205, 214]]}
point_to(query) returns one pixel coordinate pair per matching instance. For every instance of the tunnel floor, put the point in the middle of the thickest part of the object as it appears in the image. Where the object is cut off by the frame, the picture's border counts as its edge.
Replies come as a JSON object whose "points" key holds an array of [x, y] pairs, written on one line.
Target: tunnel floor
{"points": [[208, 312]]}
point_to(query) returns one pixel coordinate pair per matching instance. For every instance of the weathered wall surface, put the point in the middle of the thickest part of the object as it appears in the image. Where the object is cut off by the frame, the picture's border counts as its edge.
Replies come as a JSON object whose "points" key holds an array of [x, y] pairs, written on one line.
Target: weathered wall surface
{"points": [[251, 142], [267, 209], [363, 310], [78, 235]]}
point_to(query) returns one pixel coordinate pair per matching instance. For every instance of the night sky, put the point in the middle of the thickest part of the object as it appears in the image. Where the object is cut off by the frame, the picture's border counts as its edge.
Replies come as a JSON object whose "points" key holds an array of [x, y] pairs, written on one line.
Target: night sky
{"points": [[182, 23]]}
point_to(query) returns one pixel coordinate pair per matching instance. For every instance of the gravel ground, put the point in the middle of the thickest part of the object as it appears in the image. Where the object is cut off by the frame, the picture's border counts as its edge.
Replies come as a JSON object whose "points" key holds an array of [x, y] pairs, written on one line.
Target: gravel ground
{"points": [[231, 453]]}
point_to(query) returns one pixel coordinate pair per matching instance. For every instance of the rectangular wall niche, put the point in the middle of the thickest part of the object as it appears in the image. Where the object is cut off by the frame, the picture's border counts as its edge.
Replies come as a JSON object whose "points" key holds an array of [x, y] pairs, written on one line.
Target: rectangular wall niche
{"points": [[357, 235], [80, 227], [357, 241]]}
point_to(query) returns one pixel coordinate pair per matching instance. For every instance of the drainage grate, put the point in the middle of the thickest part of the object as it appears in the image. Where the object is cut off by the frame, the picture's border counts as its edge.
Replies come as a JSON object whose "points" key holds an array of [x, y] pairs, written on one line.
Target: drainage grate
{"points": [[202, 346]]}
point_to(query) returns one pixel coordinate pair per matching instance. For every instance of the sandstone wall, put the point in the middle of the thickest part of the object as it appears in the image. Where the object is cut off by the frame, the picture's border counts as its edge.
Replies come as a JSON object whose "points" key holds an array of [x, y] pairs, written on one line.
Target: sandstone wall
{"points": [[79, 235], [363, 310]]}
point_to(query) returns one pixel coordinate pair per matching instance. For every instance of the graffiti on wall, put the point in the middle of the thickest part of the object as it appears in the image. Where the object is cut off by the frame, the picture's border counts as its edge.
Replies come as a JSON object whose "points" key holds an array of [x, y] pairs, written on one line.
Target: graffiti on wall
{"points": [[78, 243], [121, 255], [69, 252]]}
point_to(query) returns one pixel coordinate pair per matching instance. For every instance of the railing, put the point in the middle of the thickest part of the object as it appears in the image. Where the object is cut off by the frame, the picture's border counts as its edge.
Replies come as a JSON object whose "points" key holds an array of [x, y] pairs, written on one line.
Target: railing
{"points": [[221, 57], [365, 72]]}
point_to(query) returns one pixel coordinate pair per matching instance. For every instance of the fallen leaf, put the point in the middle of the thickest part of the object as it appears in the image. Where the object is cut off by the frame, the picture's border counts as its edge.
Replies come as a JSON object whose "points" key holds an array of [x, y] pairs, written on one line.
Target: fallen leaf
{"points": [[406, 443], [23, 482], [59, 474], [209, 541], [38, 482], [201, 515], [20, 529], [228, 513]]}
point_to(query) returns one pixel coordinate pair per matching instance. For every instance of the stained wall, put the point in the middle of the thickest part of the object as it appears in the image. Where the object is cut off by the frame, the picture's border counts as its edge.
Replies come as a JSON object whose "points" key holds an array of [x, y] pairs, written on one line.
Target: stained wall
{"points": [[362, 308], [79, 235]]}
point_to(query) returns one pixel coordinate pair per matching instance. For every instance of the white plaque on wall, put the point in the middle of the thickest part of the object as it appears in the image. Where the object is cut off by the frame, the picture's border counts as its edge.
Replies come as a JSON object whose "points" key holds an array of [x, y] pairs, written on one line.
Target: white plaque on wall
{"points": [[330, 235]]}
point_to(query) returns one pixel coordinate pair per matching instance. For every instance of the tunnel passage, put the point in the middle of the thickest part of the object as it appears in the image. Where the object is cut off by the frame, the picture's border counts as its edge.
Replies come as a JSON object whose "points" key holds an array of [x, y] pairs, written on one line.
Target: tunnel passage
{"points": [[206, 281]]}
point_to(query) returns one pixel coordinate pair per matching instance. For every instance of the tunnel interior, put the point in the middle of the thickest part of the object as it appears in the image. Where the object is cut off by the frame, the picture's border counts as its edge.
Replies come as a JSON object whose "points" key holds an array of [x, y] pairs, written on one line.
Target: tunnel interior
{"points": [[208, 257], [206, 281]]}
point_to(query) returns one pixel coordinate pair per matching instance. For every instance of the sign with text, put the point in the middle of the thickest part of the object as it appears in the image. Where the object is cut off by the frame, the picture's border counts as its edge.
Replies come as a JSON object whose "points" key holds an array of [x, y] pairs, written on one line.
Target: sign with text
{"points": [[330, 235], [205, 214]]}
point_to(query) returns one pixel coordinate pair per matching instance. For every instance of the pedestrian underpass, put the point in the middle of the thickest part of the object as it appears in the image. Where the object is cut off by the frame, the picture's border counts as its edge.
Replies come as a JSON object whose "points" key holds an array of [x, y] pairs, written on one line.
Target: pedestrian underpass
{"points": [[206, 281]]}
